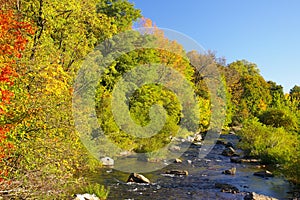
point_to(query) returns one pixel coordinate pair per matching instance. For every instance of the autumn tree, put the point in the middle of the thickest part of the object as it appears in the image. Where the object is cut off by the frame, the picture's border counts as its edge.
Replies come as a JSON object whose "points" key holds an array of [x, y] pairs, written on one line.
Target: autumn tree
{"points": [[249, 91], [13, 40], [65, 32]]}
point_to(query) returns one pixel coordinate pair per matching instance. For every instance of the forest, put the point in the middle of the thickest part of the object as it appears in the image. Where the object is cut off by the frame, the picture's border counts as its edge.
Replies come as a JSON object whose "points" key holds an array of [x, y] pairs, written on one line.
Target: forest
{"points": [[43, 45]]}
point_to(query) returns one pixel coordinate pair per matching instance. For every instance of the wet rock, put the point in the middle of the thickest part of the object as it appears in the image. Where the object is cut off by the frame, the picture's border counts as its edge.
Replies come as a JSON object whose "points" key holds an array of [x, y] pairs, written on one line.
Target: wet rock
{"points": [[137, 178], [107, 161], [229, 151], [254, 196], [235, 159], [229, 144], [264, 174], [227, 188], [86, 197], [231, 133], [198, 138], [222, 142], [178, 172], [189, 161], [231, 171], [177, 160]]}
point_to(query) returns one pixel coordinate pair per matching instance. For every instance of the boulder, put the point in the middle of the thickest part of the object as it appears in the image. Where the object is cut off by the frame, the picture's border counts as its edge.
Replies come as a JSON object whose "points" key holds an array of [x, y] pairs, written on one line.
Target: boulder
{"points": [[137, 178], [198, 138], [227, 188], [107, 161], [254, 196], [231, 171], [229, 151], [177, 160], [178, 172], [264, 173], [86, 197]]}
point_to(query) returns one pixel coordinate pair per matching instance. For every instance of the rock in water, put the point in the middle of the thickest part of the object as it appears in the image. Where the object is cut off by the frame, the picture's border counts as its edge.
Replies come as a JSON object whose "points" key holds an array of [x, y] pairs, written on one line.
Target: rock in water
{"points": [[86, 197], [227, 188], [137, 178], [107, 161], [231, 171], [264, 174], [177, 160], [229, 151], [178, 172], [198, 138], [254, 196]]}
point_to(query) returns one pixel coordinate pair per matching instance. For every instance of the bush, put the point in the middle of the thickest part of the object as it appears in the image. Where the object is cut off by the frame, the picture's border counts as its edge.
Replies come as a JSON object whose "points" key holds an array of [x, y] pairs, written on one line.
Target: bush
{"points": [[272, 145], [97, 189], [279, 118]]}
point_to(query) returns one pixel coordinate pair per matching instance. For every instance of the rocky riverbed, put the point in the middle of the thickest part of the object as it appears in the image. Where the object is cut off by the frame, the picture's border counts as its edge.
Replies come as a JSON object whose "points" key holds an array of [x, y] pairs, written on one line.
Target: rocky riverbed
{"points": [[216, 176]]}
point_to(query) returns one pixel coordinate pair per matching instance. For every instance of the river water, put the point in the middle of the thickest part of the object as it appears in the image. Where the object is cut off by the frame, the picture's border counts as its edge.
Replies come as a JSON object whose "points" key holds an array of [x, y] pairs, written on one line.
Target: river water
{"points": [[199, 184]]}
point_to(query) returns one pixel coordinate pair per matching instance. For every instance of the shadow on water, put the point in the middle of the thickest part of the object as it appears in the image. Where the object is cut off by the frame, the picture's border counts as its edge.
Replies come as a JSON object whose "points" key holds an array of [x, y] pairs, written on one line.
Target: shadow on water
{"points": [[199, 184]]}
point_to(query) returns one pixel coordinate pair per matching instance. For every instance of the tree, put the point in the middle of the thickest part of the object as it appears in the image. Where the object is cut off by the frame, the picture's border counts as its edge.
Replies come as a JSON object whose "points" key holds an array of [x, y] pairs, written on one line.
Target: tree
{"points": [[277, 94], [13, 41], [295, 95], [123, 12], [46, 62], [249, 91]]}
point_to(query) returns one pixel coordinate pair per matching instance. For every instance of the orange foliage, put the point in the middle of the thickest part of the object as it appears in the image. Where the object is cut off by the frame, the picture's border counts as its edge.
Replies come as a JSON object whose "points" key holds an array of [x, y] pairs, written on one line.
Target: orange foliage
{"points": [[12, 42]]}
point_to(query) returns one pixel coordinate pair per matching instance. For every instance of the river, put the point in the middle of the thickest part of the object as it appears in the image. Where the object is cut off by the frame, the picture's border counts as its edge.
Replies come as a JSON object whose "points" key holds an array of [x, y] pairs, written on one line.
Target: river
{"points": [[200, 183]]}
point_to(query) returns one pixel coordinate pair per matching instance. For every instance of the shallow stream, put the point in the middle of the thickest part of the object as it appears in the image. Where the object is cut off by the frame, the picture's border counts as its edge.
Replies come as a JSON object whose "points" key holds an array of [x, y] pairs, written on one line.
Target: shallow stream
{"points": [[200, 183]]}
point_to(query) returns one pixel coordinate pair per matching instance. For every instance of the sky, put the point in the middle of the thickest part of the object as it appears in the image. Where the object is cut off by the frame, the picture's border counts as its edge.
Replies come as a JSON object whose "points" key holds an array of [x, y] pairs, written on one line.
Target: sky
{"points": [[265, 32]]}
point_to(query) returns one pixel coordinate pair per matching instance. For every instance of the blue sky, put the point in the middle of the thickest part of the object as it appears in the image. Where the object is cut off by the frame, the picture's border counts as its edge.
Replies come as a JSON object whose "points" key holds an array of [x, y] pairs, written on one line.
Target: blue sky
{"points": [[265, 32]]}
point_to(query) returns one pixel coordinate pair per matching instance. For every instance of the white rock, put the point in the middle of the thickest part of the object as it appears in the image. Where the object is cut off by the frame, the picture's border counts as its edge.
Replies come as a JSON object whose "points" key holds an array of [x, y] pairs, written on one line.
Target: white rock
{"points": [[86, 197], [198, 138], [107, 161]]}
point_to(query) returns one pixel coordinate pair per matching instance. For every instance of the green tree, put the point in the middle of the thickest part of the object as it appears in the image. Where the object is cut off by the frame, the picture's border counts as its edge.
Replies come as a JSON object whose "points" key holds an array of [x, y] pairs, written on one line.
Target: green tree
{"points": [[249, 91], [295, 95]]}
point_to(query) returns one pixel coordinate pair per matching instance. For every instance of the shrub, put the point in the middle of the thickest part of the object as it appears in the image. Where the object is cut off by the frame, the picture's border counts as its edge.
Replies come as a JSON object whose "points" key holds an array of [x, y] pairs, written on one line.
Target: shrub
{"points": [[97, 189], [279, 118], [272, 145]]}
